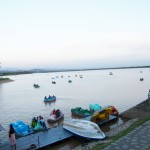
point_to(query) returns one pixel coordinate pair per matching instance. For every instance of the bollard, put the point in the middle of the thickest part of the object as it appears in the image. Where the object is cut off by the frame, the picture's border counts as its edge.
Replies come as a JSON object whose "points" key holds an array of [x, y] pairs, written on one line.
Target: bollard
{"points": [[38, 141]]}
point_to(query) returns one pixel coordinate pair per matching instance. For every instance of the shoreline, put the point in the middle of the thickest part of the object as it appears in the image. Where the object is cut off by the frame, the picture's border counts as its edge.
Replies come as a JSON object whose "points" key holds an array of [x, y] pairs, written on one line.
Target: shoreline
{"points": [[18, 72], [134, 114], [6, 80]]}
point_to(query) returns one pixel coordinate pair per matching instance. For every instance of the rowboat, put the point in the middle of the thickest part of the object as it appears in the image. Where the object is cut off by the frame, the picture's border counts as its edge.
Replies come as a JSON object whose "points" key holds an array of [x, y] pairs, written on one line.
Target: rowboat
{"points": [[83, 128]]}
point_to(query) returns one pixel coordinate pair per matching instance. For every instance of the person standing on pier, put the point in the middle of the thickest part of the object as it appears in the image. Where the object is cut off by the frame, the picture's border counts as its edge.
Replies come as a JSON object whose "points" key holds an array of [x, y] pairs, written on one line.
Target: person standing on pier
{"points": [[12, 137], [149, 94]]}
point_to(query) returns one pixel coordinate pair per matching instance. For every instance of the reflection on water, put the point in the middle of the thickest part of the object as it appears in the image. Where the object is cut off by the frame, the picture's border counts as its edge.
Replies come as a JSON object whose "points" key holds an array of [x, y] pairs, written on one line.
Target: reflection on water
{"points": [[67, 144], [19, 100], [73, 142], [106, 127]]}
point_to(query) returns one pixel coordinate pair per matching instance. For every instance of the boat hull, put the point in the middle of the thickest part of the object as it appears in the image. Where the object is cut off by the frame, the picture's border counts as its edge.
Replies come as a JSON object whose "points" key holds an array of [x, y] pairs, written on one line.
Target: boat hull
{"points": [[84, 129]]}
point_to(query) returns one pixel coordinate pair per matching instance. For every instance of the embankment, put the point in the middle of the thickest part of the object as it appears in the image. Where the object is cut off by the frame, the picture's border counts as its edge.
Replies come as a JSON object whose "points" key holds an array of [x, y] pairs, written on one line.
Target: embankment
{"points": [[133, 114], [138, 111]]}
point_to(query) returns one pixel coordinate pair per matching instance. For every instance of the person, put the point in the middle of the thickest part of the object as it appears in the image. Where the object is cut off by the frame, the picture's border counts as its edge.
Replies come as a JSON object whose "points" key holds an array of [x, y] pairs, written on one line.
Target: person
{"points": [[53, 112], [34, 122], [58, 113], [52, 115], [12, 137], [43, 123], [149, 94], [45, 98], [49, 97]]}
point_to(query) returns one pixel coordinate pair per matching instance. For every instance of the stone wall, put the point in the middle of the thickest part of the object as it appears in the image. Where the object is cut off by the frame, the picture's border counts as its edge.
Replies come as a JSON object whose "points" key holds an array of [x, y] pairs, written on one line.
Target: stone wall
{"points": [[138, 111]]}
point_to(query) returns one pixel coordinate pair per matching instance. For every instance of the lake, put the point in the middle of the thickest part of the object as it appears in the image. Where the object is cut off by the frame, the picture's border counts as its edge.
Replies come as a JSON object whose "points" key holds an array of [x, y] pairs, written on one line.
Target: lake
{"points": [[19, 100]]}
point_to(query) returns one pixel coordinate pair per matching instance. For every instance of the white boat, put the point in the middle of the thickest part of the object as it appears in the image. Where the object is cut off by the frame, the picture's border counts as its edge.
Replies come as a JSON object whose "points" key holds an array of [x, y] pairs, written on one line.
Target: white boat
{"points": [[84, 128]]}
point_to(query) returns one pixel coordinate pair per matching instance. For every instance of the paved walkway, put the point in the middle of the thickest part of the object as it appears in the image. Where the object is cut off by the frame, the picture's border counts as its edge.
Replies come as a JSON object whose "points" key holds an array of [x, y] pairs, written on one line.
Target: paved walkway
{"points": [[138, 139]]}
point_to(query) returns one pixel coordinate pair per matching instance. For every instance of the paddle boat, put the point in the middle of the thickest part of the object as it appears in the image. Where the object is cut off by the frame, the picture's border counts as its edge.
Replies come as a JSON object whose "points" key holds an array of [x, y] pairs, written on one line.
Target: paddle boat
{"points": [[36, 85], [81, 76], [104, 115], [141, 79], [85, 129], [55, 116], [53, 82], [50, 98], [69, 81], [36, 125], [94, 107], [21, 129], [81, 112]]}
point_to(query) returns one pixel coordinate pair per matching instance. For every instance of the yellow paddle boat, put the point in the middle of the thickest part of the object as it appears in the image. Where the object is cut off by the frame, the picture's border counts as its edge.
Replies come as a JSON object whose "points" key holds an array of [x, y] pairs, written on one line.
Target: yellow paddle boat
{"points": [[105, 114]]}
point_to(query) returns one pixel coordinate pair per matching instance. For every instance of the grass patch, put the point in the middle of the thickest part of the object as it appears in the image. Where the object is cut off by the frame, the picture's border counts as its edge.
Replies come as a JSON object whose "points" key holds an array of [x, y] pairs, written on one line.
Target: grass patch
{"points": [[123, 133]]}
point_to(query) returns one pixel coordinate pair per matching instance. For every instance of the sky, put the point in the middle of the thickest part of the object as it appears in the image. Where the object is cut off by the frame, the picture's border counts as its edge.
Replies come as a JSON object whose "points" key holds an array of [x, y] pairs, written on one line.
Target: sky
{"points": [[74, 34]]}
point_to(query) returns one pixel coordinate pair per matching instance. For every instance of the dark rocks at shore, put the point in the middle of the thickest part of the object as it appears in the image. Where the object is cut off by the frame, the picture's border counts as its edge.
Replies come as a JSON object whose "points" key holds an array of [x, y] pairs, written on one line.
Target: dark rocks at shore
{"points": [[138, 111]]}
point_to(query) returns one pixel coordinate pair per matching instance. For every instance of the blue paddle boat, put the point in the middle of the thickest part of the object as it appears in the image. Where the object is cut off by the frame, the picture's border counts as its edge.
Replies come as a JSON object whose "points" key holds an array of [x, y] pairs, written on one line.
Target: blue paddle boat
{"points": [[21, 129], [50, 98]]}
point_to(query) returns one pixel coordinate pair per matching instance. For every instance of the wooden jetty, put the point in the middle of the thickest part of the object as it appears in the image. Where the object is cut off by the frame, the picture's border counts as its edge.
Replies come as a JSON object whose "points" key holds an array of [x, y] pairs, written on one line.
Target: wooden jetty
{"points": [[40, 139], [45, 138]]}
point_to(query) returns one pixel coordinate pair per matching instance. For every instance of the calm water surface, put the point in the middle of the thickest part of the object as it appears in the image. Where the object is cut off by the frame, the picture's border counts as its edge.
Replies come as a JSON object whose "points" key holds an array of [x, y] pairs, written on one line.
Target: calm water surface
{"points": [[19, 100]]}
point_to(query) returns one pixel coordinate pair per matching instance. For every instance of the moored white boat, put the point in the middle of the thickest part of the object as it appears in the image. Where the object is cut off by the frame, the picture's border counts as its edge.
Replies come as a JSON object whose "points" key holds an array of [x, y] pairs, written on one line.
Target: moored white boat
{"points": [[83, 128]]}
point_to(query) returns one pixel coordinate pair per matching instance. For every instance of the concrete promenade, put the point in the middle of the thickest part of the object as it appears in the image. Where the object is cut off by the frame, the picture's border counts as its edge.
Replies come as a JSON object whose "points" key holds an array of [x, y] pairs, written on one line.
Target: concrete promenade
{"points": [[138, 139]]}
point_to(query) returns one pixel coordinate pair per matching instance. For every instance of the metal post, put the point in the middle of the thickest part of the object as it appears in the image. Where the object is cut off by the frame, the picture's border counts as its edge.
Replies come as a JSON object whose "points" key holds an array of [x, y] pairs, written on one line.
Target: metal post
{"points": [[38, 141]]}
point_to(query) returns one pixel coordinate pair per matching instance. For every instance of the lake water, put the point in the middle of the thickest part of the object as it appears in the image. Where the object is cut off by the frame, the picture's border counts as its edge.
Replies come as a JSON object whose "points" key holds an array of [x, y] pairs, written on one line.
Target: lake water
{"points": [[19, 100]]}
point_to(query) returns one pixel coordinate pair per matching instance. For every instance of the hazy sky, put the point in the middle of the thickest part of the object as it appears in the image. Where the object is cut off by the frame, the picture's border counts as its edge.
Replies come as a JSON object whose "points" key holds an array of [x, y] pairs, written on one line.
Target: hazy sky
{"points": [[79, 33]]}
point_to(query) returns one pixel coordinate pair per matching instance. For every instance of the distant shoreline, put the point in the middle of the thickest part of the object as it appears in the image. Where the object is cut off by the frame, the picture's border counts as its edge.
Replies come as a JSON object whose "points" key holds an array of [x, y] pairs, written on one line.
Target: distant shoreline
{"points": [[18, 72]]}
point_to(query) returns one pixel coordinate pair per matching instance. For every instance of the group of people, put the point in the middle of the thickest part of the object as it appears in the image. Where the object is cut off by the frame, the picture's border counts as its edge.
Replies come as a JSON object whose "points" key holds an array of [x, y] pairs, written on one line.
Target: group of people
{"points": [[54, 114], [35, 121], [38, 120], [48, 97]]}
